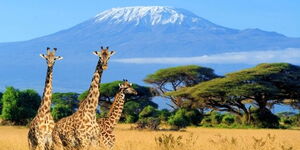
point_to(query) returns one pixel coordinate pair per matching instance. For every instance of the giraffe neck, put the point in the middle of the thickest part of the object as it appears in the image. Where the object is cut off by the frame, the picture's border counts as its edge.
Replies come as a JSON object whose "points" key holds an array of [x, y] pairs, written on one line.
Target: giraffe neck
{"points": [[47, 95], [90, 103], [116, 108]]}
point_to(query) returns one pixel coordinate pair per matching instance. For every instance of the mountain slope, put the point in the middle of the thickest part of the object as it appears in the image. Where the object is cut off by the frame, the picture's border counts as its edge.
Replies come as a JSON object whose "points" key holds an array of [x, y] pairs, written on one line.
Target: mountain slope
{"points": [[133, 32]]}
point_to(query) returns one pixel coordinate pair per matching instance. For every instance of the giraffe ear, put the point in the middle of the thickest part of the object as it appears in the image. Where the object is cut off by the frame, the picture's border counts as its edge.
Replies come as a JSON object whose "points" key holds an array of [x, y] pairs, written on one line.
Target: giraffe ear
{"points": [[95, 53], [130, 84], [120, 85], [112, 53], [43, 56], [58, 58]]}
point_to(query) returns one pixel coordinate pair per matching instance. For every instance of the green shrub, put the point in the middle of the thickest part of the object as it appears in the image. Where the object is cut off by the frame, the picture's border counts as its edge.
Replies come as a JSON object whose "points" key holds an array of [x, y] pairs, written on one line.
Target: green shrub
{"points": [[216, 118], [194, 116], [179, 119], [131, 118], [264, 118], [164, 115], [148, 111], [228, 119], [148, 123]]}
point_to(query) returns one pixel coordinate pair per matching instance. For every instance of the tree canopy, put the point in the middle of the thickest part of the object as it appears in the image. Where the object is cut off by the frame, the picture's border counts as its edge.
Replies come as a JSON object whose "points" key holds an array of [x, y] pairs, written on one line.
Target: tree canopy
{"points": [[19, 106], [174, 78], [261, 86]]}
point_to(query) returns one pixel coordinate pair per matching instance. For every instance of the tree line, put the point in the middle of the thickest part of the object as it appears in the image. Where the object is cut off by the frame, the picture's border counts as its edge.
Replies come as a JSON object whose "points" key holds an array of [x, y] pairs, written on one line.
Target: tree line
{"points": [[197, 96]]}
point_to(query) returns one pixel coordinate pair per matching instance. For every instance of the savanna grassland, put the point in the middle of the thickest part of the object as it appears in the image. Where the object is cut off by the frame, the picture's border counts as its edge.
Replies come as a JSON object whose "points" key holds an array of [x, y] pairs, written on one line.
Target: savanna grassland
{"points": [[14, 138]]}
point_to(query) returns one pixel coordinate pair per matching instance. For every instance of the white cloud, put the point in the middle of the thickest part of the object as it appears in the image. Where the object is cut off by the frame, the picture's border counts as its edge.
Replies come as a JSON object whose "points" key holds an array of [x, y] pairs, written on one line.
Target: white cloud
{"points": [[291, 55]]}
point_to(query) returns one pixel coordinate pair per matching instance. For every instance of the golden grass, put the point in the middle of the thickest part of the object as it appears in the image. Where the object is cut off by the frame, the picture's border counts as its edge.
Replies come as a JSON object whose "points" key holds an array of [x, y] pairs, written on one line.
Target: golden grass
{"points": [[14, 138]]}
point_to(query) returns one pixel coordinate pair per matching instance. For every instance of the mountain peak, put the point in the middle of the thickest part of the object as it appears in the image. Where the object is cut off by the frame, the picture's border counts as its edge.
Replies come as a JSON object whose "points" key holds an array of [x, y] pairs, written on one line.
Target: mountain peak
{"points": [[153, 15]]}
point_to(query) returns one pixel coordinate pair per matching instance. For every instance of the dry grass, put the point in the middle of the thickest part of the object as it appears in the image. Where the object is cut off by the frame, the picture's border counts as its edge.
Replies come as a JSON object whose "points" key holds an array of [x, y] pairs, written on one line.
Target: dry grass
{"points": [[14, 138]]}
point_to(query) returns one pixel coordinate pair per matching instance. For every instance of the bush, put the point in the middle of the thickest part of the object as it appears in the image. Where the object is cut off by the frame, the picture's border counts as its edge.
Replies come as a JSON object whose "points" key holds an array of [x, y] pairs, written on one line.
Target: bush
{"points": [[164, 115], [131, 118], [131, 111], [264, 118], [148, 123], [148, 118], [179, 119], [216, 118], [194, 116], [148, 111], [206, 121], [228, 119]]}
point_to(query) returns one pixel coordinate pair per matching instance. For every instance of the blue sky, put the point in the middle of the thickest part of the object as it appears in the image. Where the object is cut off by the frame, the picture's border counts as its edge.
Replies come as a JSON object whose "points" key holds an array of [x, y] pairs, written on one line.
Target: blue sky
{"points": [[23, 20]]}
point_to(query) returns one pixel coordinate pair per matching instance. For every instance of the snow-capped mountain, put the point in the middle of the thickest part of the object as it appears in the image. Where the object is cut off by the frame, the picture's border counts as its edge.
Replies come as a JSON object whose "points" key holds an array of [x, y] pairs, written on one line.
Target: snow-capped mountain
{"points": [[142, 31], [155, 15]]}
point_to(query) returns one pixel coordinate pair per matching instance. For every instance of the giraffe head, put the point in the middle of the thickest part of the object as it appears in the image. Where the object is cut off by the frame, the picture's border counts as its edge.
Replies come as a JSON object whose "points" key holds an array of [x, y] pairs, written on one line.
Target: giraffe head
{"points": [[50, 57], [127, 87], [104, 56]]}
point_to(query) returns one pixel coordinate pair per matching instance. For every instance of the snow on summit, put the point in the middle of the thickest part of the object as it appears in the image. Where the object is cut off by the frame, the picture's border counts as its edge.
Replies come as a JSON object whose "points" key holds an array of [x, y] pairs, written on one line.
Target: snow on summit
{"points": [[153, 15]]}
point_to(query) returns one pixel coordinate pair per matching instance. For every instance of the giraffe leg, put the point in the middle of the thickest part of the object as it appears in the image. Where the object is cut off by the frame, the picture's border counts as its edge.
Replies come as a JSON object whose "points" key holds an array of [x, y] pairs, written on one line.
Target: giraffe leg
{"points": [[31, 145], [84, 144], [32, 140], [41, 146], [111, 142], [49, 143], [57, 144]]}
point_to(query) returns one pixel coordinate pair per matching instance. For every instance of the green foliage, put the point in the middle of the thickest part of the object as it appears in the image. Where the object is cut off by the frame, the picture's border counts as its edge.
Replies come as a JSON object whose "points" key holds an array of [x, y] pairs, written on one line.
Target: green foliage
{"points": [[289, 119], [179, 119], [61, 111], [171, 79], [130, 118], [263, 86], [164, 114], [185, 117], [64, 104], [19, 106], [131, 111], [195, 117], [148, 111], [190, 75], [264, 118], [148, 118], [228, 119], [222, 120], [216, 117], [151, 123], [70, 99]]}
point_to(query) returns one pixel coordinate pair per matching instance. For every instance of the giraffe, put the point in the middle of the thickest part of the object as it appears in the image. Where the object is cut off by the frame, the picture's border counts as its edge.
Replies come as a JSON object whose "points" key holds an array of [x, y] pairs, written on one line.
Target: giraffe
{"points": [[80, 130], [40, 129], [107, 124]]}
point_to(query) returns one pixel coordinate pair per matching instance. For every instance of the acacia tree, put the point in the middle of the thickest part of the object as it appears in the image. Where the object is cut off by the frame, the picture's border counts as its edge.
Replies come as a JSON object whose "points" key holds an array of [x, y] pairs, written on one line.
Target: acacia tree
{"points": [[134, 103], [261, 86], [174, 78]]}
